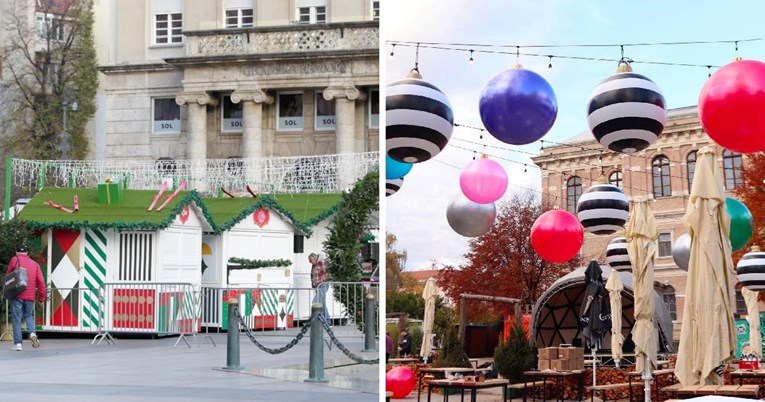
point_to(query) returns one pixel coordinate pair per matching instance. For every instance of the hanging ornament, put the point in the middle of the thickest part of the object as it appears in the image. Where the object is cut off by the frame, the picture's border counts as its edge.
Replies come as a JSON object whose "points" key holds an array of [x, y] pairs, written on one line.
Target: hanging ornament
{"points": [[469, 218], [741, 223], [681, 251], [395, 169], [731, 104], [603, 209], [419, 119], [392, 186], [518, 106], [557, 235], [483, 181], [751, 270], [616, 255], [627, 112]]}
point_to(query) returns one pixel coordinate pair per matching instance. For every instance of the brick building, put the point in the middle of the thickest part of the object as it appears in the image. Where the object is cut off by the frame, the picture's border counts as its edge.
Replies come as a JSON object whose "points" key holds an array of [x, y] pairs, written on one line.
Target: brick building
{"points": [[662, 173]]}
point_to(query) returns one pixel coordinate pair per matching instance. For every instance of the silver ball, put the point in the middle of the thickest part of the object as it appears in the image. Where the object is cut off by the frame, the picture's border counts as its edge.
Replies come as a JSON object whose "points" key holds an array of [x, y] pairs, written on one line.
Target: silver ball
{"points": [[469, 218], [681, 251]]}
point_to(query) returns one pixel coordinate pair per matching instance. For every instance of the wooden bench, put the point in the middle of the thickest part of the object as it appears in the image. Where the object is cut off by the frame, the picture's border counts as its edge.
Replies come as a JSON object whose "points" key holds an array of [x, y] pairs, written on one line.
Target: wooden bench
{"points": [[606, 387]]}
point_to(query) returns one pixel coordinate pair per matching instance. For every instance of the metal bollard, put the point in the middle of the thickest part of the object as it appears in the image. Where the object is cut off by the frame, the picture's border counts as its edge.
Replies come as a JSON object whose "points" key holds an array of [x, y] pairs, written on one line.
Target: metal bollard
{"points": [[369, 324], [232, 344], [316, 358]]}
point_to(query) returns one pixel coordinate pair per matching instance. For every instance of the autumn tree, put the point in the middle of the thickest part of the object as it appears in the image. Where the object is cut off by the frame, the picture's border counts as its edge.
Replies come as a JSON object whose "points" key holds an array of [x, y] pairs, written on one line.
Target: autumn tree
{"points": [[503, 263], [395, 262], [752, 193]]}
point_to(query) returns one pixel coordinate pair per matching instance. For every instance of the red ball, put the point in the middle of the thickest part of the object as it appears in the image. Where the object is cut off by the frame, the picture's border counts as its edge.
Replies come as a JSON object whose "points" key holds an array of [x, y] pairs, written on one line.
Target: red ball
{"points": [[731, 106], [401, 381], [557, 235]]}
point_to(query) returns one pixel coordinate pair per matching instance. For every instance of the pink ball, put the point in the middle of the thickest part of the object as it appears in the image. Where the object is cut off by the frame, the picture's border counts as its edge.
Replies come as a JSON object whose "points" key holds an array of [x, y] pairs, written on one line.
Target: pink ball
{"points": [[483, 181], [731, 104], [401, 381], [557, 235]]}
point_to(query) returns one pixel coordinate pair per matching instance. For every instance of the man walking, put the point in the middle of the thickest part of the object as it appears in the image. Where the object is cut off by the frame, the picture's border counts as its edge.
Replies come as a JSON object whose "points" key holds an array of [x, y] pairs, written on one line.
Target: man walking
{"points": [[23, 305]]}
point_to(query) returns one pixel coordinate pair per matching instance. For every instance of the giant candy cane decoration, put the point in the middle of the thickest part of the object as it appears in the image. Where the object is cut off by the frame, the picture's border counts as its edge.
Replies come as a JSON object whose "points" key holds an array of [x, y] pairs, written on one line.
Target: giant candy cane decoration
{"points": [[159, 194], [171, 196]]}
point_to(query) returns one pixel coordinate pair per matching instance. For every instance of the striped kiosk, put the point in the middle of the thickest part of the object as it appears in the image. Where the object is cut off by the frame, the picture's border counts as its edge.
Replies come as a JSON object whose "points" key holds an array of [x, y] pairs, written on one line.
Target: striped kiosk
{"points": [[751, 270], [603, 209], [419, 119], [392, 186], [627, 111], [616, 255]]}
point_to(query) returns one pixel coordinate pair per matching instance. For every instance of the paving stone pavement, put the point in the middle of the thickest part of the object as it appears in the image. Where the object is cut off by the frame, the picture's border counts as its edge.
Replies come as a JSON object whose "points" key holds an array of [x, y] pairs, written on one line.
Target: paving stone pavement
{"points": [[73, 369]]}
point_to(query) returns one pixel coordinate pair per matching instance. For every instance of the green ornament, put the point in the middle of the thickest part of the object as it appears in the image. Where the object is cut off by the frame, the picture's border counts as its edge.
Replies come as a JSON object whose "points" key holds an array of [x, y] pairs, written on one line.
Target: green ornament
{"points": [[741, 223]]}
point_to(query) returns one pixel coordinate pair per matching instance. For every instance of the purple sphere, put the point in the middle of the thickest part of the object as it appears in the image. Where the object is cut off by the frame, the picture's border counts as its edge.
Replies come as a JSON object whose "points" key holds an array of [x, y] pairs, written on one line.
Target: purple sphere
{"points": [[518, 106]]}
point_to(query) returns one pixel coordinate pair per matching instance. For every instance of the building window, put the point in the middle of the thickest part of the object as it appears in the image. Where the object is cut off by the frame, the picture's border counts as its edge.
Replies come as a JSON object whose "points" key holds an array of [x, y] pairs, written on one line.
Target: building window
{"points": [[661, 185], [732, 170], [691, 162], [374, 108], [166, 116], [49, 26], [325, 113], [615, 178], [573, 191], [375, 10], [314, 14], [167, 28], [669, 300], [740, 303], [231, 121], [239, 17], [289, 110], [665, 244]]}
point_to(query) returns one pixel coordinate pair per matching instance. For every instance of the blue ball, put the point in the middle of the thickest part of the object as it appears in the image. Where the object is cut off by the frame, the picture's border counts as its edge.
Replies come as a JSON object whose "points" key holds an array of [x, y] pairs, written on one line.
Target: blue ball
{"points": [[395, 169], [518, 106]]}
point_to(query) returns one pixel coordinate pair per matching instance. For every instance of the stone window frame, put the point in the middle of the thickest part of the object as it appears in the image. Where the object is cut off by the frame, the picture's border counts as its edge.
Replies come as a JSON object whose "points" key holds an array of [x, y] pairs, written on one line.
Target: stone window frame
{"points": [[732, 173], [664, 245], [660, 170], [326, 125], [240, 17], [573, 183], [619, 179], [371, 120], [690, 167], [168, 31], [278, 111], [153, 109], [240, 105], [312, 13]]}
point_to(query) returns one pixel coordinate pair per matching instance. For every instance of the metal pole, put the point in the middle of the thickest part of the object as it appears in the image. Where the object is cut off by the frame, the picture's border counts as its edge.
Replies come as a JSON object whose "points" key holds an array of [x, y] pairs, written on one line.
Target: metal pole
{"points": [[64, 141], [647, 378], [8, 168], [232, 345], [316, 354], [369, 325]]}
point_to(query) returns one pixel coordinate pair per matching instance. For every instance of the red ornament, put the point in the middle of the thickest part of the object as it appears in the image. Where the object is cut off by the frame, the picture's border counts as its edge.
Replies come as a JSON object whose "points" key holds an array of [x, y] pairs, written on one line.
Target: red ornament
{"points": [[731, 105], [261, 217], [400, 380], [184, 215], [557, 236]]}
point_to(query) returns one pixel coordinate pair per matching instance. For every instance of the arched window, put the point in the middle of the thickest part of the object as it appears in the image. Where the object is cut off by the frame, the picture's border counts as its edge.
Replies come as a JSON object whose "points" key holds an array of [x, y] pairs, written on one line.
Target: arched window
{"points": [[661, 185], [615, 178], [691, 162], [732, 169], [234, 165], [573, 191], [166, 166]]}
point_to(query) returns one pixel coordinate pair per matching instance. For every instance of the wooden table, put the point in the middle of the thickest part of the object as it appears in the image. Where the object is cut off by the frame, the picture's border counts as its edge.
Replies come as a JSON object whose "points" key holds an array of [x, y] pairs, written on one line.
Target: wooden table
{"points": [[473, 386], [557, 376], [441, 372], [752, 391], [741, 374], [654, 374]]}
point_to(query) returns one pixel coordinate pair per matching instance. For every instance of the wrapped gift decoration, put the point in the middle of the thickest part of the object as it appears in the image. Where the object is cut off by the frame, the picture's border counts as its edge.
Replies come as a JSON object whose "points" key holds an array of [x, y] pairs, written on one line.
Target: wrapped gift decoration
{"points": [[109, 192]]}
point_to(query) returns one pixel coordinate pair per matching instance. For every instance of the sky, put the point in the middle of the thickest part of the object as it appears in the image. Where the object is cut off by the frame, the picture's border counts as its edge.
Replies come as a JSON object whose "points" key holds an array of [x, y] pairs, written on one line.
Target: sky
{"points": [[416, 215]]}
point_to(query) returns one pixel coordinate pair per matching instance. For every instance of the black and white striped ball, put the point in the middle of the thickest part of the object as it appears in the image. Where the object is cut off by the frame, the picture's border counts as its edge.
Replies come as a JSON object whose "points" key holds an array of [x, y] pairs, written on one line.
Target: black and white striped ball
{"points": [[627, 112], [392, 186], [603, 209], [616, 255], [419, 120], [751, 271]]}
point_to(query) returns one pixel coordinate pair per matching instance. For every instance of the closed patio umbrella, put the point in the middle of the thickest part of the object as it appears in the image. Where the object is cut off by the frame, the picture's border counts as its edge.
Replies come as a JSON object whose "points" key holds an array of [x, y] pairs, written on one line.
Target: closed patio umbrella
{"points": [[707, 336], [614, 286], [595, 313], [429, 294], [753, 316], [642, 236]]}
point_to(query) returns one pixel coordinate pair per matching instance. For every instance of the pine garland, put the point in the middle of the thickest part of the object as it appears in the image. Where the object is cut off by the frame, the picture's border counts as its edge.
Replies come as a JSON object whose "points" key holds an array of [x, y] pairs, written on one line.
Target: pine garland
{"points": [[246, 263]]}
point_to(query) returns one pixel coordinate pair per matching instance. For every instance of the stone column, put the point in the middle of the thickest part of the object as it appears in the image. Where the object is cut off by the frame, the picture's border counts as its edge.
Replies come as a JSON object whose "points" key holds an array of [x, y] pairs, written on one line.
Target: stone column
{"points": [[252, 120], [197, 135], [345, 96]]}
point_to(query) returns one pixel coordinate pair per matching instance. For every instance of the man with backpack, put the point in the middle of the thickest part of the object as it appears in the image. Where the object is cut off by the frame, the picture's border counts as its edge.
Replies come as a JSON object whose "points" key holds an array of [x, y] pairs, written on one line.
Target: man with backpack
{"points": [[23, 304]]}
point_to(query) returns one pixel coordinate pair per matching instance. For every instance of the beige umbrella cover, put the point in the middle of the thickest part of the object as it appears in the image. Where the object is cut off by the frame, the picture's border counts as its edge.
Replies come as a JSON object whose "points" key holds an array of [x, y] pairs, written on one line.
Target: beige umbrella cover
{"points": [[753, 312], [615, 287], [642, 236], [707, 336], [429, 294]]}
